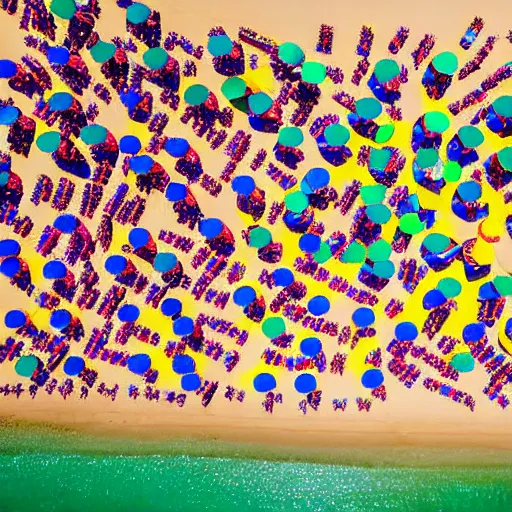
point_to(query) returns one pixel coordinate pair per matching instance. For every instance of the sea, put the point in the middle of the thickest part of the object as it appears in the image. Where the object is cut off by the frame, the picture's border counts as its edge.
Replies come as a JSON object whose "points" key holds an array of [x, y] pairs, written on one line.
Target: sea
{"points": [[68, 483], [42, 473]]}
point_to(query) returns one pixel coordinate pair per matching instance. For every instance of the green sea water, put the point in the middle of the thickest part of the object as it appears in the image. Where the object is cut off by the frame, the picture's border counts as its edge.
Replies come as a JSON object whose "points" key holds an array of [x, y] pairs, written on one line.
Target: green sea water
{"points": [[67, 483], [54, 470]]}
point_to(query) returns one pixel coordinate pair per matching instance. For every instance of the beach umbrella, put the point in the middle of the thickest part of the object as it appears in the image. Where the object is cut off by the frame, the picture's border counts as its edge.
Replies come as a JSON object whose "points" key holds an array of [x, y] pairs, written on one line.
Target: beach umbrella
{"points": [[406, 331], [309, 243], [336, 135], [26, 365], [54, 270], [273, 327], [66, 223], [155, 58], [7, 68], [60, 319], [449, 287], [283, 276], [311, 347], [139, 363], [176, 192], [315, 179], [15, 319], [183, 326], [141, 164], [264, 382], [220, 45], [363, 317], [10, 266], [170, 306], [290, 136], [137, 13], [128, 313], [196, 95], [296, 201], [139, 237], [130, 144], [463, 362], [433, 298], [103, 51], [319, 305], [244, 296], [210, 228], [372, 379], [115, 264], [60, 101], [93, 134], [9, 247], [473, 332], [165, 261], [190, 382], [183, 364], [305, 383], [243, 185], [259, 237], [74, 366], [177, 146]]}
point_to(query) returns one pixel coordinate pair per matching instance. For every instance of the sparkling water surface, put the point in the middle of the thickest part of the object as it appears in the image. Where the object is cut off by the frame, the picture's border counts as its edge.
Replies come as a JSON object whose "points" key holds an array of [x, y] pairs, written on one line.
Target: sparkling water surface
{"points": [[68, 483]]}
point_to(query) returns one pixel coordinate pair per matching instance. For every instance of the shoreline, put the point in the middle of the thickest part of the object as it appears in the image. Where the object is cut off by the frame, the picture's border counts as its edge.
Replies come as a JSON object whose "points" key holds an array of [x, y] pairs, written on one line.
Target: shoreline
{"points": [[23, 437], [435, 434]]}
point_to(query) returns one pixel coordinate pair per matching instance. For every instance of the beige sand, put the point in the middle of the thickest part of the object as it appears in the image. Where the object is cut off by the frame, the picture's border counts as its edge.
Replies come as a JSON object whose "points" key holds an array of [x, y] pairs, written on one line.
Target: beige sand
{"points": [[409, 417]]}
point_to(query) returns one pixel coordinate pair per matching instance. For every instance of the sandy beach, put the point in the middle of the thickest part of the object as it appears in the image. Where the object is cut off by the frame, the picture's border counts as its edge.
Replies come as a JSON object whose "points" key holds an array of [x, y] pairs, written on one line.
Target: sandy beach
{"points": [[412, 431], [402, 429]]}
